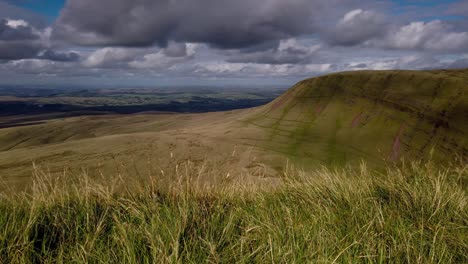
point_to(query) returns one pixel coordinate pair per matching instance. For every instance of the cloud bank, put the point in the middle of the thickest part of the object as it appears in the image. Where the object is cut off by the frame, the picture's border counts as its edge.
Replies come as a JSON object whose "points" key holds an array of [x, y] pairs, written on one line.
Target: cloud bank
{"points": [[223, 39]]}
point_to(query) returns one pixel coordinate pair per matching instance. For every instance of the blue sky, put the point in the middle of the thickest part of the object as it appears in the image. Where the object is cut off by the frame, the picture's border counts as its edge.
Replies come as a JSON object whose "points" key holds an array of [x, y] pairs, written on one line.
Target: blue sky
{"points": [[424, 2], [432, 7], [50, 9], [151, 42]]}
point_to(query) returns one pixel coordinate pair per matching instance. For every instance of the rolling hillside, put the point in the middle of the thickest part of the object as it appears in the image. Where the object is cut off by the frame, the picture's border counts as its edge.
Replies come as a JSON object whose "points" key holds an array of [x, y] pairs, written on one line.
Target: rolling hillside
{"points": [[338, 119]]}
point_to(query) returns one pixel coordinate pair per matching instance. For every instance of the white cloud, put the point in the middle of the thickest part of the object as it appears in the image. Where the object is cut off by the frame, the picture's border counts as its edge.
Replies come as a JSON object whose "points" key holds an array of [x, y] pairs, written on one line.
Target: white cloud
{"points": [[16, 23], [161, 59], [415, 35], [31, 66], [356, 27], [247, 70], [434, 35], [352, 15], [110, 57], [393, 62], [292, 44]]}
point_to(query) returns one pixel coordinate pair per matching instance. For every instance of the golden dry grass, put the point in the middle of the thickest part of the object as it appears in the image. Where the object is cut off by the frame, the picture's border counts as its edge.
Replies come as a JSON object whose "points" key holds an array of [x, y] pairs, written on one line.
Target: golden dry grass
{"points": [[413, 214]]}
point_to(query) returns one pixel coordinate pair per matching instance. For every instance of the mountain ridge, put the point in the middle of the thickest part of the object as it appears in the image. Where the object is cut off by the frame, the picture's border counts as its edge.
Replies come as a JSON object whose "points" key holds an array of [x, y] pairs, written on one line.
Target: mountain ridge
{"points": [[414, 105]]}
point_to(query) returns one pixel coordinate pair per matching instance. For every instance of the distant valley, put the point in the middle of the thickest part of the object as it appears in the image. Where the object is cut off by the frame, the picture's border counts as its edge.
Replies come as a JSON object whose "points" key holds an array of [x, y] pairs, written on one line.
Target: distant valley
{"points": [[63, 102]]}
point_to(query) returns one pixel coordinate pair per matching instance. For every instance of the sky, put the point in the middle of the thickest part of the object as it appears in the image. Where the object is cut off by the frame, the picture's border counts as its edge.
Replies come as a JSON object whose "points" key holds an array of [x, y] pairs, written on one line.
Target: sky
{"points": [[223, 42]]}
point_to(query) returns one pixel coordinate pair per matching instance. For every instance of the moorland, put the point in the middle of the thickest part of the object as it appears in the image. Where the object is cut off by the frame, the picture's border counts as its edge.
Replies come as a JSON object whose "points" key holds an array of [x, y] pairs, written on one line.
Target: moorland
{"points": [[353, 167]]}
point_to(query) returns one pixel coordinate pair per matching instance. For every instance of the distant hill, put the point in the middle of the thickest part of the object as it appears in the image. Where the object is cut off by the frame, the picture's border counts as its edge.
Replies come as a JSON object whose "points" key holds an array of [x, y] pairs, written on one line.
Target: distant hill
{"points": [[377, 116]]}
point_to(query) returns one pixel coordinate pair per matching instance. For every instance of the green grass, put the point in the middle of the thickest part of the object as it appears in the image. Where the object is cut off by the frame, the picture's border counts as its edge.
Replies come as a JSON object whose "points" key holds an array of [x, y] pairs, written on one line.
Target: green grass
{"points": [[412, 214], [350, 116]]}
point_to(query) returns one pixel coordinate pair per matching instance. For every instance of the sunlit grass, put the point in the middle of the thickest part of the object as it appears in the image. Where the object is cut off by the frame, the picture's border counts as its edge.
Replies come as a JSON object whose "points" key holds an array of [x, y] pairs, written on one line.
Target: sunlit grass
{"points": [[412, 214]]}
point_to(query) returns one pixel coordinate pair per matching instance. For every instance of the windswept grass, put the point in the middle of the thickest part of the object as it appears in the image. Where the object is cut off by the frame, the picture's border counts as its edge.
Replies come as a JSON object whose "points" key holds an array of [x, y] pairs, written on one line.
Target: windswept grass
{"points": [[414, 214]]}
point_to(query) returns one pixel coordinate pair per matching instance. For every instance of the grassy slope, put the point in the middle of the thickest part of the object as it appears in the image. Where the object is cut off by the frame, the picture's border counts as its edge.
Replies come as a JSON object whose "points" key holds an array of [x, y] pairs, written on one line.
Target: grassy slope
{"points": [[375, 116], [335, 119], [416, 214], [135, 144]]}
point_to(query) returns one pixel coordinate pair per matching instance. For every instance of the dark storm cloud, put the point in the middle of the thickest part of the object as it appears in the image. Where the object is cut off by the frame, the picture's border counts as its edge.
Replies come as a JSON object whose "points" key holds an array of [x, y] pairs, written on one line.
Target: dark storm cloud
{"points": [[286, 52], [59, 56], [458, 64], [18, 50], [21, 32], [9, 10], [221, 23], [175, 49], [15, 33], [18, 40]]}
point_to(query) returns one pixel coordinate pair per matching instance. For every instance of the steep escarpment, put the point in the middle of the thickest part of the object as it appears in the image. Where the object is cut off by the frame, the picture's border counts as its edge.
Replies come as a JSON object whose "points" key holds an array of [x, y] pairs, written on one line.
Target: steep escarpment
{"points": [[377, 116]]}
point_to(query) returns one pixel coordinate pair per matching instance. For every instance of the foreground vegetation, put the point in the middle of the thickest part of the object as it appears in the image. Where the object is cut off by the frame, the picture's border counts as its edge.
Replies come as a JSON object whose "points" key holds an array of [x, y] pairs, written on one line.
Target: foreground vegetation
{"points": [[413, 214]]}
